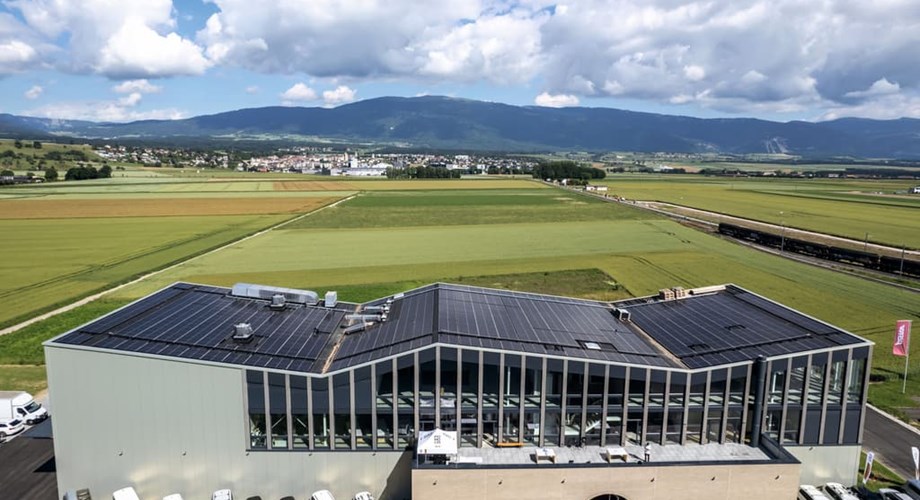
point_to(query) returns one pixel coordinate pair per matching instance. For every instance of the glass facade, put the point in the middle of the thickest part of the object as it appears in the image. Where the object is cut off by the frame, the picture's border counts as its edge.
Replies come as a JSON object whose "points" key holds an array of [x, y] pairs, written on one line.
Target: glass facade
{"points": [[493, 398]]}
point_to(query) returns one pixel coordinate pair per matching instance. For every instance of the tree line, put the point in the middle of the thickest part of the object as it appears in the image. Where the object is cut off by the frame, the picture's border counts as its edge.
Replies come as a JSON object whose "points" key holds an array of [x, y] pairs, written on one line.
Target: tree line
{"points": [[566, 169], [84, 172]]}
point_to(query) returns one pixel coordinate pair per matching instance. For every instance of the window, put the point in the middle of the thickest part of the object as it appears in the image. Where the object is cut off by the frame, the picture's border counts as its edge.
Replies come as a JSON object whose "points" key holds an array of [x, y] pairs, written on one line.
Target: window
{"points": [[364, 408], [255, 392], [385, 401], [300, 415], [855, 385], [341, 397], [277, 395], [321, 423]]}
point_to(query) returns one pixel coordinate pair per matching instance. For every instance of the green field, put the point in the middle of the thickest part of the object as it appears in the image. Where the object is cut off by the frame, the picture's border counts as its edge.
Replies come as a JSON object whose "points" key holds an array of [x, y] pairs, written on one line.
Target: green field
{"points": [[849, 208], [504, 234]]}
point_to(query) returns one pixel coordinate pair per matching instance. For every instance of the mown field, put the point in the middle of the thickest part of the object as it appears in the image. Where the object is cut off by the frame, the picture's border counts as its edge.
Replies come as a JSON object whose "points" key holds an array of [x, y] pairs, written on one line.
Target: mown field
{"points": [[849, 208], [514, 234]]}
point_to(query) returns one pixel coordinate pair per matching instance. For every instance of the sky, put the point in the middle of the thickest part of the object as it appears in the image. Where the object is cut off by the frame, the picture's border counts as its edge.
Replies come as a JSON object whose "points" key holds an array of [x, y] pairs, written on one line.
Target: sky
{"points": [[123, 60]]}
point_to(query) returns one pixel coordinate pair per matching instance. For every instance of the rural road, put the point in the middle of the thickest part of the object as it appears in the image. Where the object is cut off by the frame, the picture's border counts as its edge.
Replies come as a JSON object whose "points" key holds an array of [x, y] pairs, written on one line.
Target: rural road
{"points": [[891, 441]]}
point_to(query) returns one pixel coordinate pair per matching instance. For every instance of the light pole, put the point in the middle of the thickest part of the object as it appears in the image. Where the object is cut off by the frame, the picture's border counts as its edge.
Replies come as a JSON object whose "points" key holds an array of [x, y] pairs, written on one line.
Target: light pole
{"points": [[866, 243], [782, 241]]}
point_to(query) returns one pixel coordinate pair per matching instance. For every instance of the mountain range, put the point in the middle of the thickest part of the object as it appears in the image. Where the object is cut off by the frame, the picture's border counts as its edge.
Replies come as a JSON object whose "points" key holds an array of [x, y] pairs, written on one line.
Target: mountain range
{"points": [[451, 123]]}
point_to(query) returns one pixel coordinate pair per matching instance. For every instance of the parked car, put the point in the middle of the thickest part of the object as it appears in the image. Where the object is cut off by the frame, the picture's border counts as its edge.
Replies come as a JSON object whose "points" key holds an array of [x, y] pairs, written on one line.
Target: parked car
{"points": [[322, 495], [364, 495], [125, 494], [912, 488], [10, 428], [222, 495], [20, 405], [838, 492], [809, 492], [893, 494]]}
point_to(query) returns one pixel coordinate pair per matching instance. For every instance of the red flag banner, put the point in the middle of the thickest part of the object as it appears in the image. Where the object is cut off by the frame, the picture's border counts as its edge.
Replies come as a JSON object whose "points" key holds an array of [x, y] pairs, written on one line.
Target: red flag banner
{"points": [[901, 338]]}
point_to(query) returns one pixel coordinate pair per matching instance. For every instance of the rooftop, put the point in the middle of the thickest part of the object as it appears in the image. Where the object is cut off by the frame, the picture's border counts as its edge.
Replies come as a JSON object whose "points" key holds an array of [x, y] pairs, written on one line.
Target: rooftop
{"points": [[706, 327], [596, 455]]}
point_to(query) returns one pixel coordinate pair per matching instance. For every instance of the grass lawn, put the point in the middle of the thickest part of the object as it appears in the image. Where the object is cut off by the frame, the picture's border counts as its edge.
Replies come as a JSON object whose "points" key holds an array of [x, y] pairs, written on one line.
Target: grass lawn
{"points": [[882, 477], [839, 207]]}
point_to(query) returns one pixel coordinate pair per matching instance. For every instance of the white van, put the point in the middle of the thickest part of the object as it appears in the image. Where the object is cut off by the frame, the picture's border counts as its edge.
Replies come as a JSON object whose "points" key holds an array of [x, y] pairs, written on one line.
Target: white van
{"points": [[322, 495], [809, 492], [20, 405], [125, 494]]}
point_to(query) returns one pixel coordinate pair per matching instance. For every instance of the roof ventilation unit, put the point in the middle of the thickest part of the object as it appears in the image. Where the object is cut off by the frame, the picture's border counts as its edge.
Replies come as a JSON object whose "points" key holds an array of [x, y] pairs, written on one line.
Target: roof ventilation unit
{"points": [[332, 298], [278, 301], [666, 294], [679, 292], [357, 327], [623, 315], [307, 297], [242, 333]]}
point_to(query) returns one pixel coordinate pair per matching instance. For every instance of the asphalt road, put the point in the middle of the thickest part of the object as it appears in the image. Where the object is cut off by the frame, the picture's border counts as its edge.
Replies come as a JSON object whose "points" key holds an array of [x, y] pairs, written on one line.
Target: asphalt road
{"points": [[891, 442]]}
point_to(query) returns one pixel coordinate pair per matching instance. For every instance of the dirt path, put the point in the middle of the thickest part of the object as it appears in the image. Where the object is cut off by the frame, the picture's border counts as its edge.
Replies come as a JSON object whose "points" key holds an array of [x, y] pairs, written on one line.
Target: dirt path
{"points": [[87, 300]]}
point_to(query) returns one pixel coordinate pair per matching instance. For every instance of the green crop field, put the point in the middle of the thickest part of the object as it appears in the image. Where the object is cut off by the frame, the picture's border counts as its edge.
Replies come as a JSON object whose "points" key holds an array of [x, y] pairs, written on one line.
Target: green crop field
{"points": [[849, 208], [510, 234]]}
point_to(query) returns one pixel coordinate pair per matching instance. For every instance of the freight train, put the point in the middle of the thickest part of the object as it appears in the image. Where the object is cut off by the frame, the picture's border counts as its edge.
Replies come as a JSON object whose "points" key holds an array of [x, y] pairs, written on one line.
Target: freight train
{"points": [[868, 260]]}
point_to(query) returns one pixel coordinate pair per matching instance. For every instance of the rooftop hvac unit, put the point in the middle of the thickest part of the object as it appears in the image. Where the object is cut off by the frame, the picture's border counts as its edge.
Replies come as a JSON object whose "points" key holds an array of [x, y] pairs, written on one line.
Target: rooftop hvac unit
{"points": [[332, 298], [307, 297], [666, 294], [679, 292], [242, 333], [623, 315], [278, 301]]}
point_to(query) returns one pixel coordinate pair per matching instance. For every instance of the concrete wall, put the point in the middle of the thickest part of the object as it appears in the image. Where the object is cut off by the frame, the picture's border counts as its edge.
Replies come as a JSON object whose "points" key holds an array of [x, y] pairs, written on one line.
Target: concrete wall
{"points": [[729, 482], [175, 427], [823, 464]]}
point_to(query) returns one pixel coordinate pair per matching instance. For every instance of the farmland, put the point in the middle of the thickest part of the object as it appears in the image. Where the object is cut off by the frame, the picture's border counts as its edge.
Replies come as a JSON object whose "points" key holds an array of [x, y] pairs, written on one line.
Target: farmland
{"points": [[395, 235], [849, 208]]}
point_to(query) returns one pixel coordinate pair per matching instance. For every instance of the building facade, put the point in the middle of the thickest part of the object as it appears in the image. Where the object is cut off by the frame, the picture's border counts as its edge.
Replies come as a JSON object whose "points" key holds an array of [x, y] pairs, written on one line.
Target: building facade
{"points": [[286, 399]]}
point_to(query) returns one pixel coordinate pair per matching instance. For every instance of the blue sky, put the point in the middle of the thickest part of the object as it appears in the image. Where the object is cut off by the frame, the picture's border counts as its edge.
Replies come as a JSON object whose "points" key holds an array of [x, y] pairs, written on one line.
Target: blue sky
{"points": [[780, 59]]}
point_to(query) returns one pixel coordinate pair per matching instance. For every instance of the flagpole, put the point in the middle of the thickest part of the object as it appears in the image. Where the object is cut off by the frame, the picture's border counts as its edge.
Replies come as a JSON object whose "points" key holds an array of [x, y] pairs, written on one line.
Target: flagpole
{"points": [[906, 362]]}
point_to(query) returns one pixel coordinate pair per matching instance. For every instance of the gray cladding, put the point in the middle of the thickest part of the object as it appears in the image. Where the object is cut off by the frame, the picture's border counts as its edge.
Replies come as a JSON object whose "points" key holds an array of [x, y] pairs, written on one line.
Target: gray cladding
{"points": [[710, 329]]}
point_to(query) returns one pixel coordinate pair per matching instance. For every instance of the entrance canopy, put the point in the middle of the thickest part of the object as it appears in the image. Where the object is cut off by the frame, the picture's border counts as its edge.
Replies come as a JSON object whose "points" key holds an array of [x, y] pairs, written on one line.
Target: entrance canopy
{"points": [[437, 442]]}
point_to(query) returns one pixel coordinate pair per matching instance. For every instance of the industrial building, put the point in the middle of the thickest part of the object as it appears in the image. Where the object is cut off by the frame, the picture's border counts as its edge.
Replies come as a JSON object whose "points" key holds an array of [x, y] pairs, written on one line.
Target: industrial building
{"points": [[274, 392]]}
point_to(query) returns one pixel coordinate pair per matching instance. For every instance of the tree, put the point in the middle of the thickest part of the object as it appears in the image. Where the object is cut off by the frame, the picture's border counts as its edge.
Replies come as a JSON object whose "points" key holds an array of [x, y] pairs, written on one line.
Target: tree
{"points": [[105, 172], [37, 145], [7, 173], [51, 174], [18, 144]]}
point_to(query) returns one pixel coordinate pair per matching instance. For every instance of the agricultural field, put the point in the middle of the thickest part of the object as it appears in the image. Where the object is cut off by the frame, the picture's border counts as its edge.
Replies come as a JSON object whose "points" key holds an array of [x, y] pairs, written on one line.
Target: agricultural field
{"points": [[849, 208], [395, 235]]}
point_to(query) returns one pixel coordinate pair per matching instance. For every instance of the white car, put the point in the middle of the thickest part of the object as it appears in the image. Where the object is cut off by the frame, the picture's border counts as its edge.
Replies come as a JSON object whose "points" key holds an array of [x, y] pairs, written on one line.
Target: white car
{"points": [[809, 492], [838, 492], [10, 428], [364, 495], [890, 494], [222, 495]]}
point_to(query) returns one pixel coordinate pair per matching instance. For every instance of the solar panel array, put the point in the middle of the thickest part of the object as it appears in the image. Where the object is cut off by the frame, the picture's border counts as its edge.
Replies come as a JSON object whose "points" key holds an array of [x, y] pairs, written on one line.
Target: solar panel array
{"points": [[496, 319], [196, 322], [731, 326]]}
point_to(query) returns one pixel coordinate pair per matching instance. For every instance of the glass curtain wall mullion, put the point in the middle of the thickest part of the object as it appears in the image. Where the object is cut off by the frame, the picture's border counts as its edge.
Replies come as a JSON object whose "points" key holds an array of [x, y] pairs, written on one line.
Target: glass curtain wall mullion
{"points": [[824, 394], [310, 412], [805, 397], [704, 439], [604, 403], [543, 397], [352, 421], [501, 399], [415, 385], [844, 394], [268, 426], [522, 422], [624, 420], [686, 417], [666, 405], [864, 394], [290, 421], [479, 400], [785, 411], [373, 407], [745, 410], [437, 387]]}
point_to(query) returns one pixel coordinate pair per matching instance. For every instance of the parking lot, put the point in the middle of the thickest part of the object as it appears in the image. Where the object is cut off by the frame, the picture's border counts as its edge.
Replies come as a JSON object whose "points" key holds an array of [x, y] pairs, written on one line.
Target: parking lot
{"points": [[27, 468]]}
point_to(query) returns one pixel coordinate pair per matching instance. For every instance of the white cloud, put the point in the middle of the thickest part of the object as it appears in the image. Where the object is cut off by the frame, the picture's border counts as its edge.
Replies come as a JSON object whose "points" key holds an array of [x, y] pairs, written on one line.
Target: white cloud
{"points": [[33, 93], [694, 73], [142, 86], [340, 95], [466, 40], [878, 88], [298, 93], [102, 111], [555, 100], [130, 100], [252, 89], [123, 39]]}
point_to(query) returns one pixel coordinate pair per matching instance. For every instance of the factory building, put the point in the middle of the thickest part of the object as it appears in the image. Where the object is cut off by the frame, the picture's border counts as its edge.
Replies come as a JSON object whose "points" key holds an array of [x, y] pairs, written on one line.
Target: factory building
{"points": [[276, 392]]}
